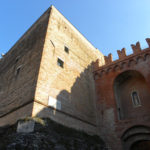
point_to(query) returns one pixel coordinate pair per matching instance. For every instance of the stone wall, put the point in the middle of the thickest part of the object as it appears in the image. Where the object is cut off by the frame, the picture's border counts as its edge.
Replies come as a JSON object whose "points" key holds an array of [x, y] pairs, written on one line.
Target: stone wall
{"points": [[30, 72], [19, 70], [70, 86], [46, 135]]}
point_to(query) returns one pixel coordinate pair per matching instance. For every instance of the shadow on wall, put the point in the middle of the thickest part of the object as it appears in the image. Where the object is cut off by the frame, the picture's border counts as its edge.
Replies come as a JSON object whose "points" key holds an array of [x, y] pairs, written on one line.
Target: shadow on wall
{"points": [[19, 72], [136, 138], [73, 108], [131, 85]]}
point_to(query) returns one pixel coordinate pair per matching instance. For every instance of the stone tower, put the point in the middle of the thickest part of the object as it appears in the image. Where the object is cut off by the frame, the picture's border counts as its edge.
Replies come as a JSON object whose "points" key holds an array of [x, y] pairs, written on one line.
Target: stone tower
{"points": [[48, 73], [54, 72]]}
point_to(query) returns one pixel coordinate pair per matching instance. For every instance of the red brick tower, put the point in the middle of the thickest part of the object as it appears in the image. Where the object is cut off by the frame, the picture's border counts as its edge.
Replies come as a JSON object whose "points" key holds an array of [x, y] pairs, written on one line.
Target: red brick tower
{"points": [[123, 99]]}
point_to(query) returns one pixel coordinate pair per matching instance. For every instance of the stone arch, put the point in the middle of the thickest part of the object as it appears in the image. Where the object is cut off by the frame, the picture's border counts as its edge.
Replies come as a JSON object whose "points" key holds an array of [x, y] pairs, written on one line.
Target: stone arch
{"points": [[102, 72], [131, 62], [136, 136], [123, 65], [126, 83], [116, 67], [109, 69]]}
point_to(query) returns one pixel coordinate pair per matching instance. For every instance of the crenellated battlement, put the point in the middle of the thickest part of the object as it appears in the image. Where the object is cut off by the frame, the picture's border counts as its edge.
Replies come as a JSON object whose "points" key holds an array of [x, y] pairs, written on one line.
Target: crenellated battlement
{"points": [[136, 48], [124, 61], [122, 53]]}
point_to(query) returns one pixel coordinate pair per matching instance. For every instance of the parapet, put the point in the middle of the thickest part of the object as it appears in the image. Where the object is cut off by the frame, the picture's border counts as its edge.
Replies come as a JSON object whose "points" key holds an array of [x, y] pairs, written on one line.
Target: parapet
{"points": [[121, 53], [137, 51], [136, 48], [108, 59]]}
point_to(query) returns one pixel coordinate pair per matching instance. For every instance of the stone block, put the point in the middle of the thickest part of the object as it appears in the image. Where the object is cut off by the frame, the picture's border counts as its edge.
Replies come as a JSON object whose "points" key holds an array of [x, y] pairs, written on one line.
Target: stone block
{"points": [[25, 126]]}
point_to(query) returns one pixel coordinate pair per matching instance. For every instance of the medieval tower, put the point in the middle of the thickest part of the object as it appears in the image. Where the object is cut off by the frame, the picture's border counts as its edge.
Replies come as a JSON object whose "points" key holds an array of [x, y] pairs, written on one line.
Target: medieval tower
{"points": [[50, 67], [54, 72]]}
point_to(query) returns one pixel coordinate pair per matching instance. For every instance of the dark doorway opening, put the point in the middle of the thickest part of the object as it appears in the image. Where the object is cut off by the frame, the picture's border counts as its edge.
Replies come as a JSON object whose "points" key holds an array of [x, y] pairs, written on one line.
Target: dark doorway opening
{"points": [[141, 145]]}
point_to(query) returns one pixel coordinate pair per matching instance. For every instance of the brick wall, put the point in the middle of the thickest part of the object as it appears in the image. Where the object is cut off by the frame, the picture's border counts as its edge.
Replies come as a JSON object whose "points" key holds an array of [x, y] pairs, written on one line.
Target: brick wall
{"points": [[115, 82], [19, 70], [29, 72], [72, 85]]}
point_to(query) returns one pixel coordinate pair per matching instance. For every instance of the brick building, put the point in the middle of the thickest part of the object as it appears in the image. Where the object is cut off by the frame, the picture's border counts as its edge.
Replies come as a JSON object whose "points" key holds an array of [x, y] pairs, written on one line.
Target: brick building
{"points": [[123, 94], [54, 72]]}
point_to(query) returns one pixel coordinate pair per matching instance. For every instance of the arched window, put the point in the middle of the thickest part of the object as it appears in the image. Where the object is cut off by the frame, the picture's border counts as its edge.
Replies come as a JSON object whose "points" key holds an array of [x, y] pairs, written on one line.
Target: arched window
{"points": [[135, 99]]}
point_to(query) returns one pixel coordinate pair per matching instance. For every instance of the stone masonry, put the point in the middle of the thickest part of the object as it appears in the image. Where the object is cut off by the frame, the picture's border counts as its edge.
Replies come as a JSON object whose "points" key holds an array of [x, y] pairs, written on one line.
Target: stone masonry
{"points": [[54, 72], [34, 84]]}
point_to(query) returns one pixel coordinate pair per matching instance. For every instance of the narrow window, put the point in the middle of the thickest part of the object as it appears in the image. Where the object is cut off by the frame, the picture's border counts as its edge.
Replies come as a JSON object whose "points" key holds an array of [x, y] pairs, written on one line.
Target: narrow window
{"points": [[66, 49], [17, 59], [60, 63], [18, 70], [119, 114], [135, 99], [0, 88]]}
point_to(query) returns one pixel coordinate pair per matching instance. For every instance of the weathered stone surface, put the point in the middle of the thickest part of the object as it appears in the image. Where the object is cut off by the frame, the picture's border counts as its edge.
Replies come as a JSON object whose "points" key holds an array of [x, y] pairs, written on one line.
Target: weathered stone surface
{"points": [[19, 70], [25, 126], [49, 136], [72, 85], [29, 73]]}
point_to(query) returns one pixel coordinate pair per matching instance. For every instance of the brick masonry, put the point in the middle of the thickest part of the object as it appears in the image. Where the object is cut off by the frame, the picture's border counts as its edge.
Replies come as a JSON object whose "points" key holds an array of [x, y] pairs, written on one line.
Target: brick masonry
{"points": [[31, 76], [115, 82], [19, 69], [84, 90]]}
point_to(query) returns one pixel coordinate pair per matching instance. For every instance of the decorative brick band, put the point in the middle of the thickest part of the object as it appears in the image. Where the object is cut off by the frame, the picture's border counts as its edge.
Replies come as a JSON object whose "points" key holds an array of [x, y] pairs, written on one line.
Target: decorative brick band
{"points": [[123, 61]]}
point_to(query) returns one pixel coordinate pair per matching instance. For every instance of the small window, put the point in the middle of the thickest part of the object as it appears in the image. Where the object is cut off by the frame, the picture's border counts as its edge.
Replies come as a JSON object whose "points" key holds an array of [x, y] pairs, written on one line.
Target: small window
{"points": [[60, 63], [119, 114], [17, 59], [18, 70], [135, 99], [66, 49]]}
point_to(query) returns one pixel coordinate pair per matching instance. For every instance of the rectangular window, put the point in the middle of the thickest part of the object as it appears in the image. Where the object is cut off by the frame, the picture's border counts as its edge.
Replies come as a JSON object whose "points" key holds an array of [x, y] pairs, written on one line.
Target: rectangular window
{"points": [[66, 49], [60, 63]]}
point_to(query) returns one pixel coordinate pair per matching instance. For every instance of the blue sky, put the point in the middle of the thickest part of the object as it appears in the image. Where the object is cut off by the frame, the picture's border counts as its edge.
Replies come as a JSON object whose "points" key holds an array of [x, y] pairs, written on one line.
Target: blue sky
{"points": [[109, 25]]}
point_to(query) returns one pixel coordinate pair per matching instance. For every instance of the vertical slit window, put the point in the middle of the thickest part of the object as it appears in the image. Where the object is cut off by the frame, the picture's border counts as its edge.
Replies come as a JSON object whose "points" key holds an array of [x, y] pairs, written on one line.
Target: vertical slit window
{"points": [[18, 70], [119, 114], [66, 49], [60, 63], [135, 99]]}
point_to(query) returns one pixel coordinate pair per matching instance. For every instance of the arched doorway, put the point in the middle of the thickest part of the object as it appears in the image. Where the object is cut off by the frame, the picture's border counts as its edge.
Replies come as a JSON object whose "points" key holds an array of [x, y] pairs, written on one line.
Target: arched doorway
{"points": [[141, 145], [132, 95], [136, 138]]}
